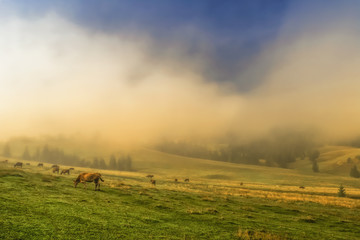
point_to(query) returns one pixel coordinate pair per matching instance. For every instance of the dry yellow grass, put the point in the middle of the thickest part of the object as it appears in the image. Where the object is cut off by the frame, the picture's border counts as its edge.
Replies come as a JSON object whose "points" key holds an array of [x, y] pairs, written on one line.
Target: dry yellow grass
{"points": [[258, 181], [258, 235]]}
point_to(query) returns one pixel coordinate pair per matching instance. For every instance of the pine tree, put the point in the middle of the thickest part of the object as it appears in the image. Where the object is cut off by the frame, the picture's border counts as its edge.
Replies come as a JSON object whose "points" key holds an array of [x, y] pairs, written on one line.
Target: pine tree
{"points": [[37, 155], [7, 151], [120, 164], [315, 166], [102, 164], [128, 163], [354, 172], [112, 163], [314, 155], [95, 163], [26, 154], [341, 192], [45, 154]]}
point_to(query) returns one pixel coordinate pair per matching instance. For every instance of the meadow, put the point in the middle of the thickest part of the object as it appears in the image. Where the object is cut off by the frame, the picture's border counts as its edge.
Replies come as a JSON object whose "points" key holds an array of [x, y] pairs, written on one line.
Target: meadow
{"points": [[221, 201]]}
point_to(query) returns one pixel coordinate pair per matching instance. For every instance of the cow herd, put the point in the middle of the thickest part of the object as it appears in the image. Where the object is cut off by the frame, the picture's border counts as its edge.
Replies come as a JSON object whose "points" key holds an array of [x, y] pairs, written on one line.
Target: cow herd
{"points": [[83, 177], [153, 182]]}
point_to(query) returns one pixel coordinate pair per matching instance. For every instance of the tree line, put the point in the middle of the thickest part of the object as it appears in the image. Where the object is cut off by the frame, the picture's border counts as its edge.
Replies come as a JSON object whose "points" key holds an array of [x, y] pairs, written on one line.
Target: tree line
{"points": [[280, 149], [58, 156]]}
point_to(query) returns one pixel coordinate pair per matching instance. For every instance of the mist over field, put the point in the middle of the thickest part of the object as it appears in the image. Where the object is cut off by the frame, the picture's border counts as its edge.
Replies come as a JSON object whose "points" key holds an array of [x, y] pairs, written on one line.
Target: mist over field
{"points": [[59, 77], [179, 119]]}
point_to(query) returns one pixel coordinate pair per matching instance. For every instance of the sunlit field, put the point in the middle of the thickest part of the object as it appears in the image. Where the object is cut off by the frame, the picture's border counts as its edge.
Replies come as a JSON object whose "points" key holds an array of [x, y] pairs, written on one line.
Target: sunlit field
{"points": [[205, 119], [220, 201]]}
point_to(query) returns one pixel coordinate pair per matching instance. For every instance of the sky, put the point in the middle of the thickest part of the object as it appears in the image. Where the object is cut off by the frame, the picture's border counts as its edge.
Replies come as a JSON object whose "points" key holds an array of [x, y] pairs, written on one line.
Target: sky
{"points": [[139, 71], [234, 31]]}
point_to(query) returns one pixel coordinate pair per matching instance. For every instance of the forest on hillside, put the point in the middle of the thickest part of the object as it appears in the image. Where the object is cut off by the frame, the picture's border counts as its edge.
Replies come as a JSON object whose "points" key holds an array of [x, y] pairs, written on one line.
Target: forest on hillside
{"points": [[56, 155], [278, 149]]}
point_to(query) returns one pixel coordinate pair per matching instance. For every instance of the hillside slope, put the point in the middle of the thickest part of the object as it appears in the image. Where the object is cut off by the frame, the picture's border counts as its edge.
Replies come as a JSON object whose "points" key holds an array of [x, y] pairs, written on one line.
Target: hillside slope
{"points": [[37, 204], [337, 160]]}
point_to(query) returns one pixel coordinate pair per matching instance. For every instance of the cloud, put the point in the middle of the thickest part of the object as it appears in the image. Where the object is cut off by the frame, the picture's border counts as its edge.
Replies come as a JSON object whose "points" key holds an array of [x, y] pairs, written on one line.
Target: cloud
{"points": [[312, 75], [60, 78]]}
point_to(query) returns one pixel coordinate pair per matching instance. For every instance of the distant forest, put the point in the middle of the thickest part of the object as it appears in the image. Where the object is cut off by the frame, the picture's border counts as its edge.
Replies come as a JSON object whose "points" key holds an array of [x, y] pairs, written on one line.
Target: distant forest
{"points": [[278, 150], [58, 156]]}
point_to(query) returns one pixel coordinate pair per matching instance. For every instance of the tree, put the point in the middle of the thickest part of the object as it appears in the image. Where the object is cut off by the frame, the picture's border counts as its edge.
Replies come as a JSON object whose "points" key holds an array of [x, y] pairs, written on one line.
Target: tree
{"points": [[95, 163], [341, 192], [102, 164], [26, 154], [354, 172], [128, 163], [7, 151], [120, 164], [36, 156], [315, 166], [112, 163], [314, 155], [45, 154]]}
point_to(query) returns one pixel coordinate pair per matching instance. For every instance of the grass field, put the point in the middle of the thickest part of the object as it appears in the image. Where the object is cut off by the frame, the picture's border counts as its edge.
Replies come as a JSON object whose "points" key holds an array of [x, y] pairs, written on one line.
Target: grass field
{"points": [[36, 204]]}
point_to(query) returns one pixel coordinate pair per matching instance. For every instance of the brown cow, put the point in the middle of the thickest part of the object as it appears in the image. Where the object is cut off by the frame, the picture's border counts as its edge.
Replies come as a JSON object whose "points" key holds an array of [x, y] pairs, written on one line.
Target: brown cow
{"points": [[187, 180], [56, 169], [54, 166], [18, 164], [65, 171], [153, 182], [150, 176], [40, 165], [176, 180], [89, 177]]}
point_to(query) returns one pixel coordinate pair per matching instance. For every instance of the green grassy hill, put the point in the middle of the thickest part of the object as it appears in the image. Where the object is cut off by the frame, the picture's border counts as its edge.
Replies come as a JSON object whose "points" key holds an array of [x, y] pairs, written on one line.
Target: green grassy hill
{"points": [[221, 201], [332, 160], [173, 166]]}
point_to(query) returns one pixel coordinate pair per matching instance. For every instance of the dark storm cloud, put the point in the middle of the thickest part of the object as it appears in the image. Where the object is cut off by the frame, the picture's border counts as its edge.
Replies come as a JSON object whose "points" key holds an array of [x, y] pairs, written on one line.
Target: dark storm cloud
{"points": [[234, 32]]}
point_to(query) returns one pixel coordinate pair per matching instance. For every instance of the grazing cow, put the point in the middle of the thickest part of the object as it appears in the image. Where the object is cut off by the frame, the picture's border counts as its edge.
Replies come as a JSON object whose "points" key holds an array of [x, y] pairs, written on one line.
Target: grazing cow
{"points": [[56, 169], [40, 165], [18, 164], [153, 182], [54, 166], [187, 180], [302, 187], [241, 183], [150, 176], [89, 177], [65, 171], [176, 180]]}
